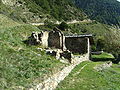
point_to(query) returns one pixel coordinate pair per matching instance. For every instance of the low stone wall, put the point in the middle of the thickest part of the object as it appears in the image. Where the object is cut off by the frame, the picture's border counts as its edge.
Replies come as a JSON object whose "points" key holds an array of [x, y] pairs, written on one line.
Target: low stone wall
{"points": [[103, 66], [52, 82]]}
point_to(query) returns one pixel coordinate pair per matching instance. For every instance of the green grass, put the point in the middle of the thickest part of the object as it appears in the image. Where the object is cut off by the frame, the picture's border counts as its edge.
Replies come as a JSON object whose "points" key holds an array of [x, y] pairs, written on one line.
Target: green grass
{"points": [[6, 22], [103, 55], [22, 65], [93, 27], [90, 79]]}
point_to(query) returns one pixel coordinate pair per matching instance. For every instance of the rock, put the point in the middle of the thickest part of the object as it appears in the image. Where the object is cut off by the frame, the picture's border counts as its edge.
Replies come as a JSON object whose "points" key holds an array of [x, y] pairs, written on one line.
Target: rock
{"points": [[103, 66], [9, 2], [59, 54], [51, 52], [34, 39], [40, 49], [56, 39], [67, 55]]}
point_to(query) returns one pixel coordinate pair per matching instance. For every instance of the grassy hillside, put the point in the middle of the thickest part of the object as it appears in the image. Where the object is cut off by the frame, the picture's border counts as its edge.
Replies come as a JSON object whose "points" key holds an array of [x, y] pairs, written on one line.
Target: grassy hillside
{"points": [[59, 9], [90, 79], [25, 66], [93, 27], [40, 10], [7, 22], [22, 65]]}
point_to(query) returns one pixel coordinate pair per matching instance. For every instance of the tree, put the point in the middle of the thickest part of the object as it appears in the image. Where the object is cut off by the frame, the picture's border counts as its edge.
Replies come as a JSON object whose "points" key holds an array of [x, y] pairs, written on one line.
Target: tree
{"points": [[113, 43], [100, 44], [63, 26], [49, 24]]}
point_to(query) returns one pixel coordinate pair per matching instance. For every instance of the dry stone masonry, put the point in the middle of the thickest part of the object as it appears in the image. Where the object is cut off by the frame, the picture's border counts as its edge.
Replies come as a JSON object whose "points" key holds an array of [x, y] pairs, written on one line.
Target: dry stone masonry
{"points": [[65, 45], [62, 47]]}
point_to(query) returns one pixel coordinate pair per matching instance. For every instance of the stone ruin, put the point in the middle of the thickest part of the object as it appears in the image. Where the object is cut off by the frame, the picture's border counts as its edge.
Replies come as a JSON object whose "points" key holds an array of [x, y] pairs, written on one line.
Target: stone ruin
{"points": [[53, 39], [61, 46], [59, 54]]}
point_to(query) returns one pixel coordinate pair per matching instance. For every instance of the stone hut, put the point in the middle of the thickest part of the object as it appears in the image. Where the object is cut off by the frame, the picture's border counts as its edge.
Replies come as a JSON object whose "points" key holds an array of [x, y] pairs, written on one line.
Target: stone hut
{"points": [[79, 44], [56, 39], [53, 39]]}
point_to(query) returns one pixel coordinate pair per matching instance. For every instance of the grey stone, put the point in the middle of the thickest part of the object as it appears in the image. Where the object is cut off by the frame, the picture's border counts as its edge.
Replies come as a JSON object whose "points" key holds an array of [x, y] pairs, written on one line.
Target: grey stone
{"points": [[67, 55]]}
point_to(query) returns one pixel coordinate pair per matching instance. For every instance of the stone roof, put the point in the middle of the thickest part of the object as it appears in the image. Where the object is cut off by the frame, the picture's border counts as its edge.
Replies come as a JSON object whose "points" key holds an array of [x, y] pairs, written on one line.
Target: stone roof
{"points": [[90, 36], [79, 36]]}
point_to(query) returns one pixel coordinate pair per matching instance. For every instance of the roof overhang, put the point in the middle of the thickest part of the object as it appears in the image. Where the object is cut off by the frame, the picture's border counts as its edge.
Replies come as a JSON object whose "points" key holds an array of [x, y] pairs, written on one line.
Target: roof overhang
{"points": [[90, 36]]}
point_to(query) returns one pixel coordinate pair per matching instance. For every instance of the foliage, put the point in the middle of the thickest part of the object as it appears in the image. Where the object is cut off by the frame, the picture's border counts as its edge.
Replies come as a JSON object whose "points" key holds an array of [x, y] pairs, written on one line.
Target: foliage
{"points": [[60, 9], [63, 26], [95, 28], [100, 43], [113, 42], [31, 9], [104, 11], [49, 24], [103, 55]]}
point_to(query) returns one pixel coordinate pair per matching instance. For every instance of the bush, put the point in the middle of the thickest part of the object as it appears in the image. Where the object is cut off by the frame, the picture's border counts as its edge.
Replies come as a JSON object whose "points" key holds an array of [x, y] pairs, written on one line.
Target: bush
{"points": [[63, 26], [49, 24], [100, 43]]}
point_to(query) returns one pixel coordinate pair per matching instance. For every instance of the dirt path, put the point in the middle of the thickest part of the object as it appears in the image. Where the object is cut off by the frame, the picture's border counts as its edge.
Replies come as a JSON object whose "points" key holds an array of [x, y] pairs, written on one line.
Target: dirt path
{"points": [[52, 82], [70, 22], [81, 69]]}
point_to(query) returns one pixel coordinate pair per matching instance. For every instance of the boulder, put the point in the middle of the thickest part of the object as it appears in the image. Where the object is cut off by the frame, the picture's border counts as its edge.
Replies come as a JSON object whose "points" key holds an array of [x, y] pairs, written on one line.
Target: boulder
{"points": [[34, 39], [51, 52], [67, 55]]}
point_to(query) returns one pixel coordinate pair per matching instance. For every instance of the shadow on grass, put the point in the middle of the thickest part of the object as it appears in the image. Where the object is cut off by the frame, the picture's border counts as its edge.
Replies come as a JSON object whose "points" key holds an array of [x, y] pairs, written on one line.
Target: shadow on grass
{"points": [[103, 59], [113, 60]]}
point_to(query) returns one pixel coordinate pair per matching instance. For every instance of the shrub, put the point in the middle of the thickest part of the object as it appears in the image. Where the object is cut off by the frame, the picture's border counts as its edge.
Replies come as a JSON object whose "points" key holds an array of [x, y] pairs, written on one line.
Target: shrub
{"points": [[49, 24], [63, 26]]}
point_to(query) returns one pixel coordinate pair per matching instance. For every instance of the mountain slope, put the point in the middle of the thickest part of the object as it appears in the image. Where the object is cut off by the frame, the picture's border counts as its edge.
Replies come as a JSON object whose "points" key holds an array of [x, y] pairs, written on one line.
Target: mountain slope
{"points": [[20, 64], [105, 11], [40, 10]]}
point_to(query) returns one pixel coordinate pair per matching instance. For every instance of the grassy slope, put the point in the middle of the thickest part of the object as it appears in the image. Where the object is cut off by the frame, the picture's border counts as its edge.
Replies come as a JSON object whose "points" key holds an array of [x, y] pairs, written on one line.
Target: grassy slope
{"points": [[103, 55], [90, 79], [20, 65], [93, 27], [40, 10], [6, 22]]}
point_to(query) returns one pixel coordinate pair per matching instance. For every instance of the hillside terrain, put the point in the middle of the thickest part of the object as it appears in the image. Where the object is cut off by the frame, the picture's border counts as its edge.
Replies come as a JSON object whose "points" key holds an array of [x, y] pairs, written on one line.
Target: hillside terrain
{"points": [[104, 11], [86, 77], [24, 66], [40, 10]]}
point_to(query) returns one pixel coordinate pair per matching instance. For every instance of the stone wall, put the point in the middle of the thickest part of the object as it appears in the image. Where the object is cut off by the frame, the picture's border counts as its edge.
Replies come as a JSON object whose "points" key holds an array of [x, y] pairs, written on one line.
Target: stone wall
{"points": [[55, 39], [76, 45], [44, 39]]}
